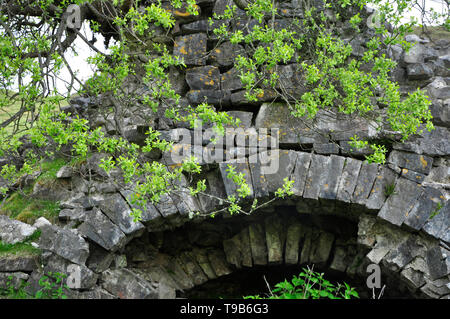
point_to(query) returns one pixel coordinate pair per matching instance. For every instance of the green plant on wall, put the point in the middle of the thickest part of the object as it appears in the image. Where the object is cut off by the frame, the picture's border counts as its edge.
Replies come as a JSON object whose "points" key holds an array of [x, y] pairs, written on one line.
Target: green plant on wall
{"points": [[309, 285], [389, 190], [32, 57], [436, 211], [52, 286]]}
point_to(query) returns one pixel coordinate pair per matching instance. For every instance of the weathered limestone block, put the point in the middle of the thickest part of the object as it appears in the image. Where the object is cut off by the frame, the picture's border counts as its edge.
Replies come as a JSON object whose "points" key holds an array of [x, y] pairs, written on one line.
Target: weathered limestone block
{"points": [[275, 239], [218, 262], [419, 71], [149, 211], [439, 225], [195, 27], [76, 214], [64, 172], [434, 143], [247, 137], [214, 97], [376, 255], [399, 257], [310, 235], [203, 78], [245, 118], [293, 235], [102, 231], [117, 209], [175, 270], [95, 293], [225, 54], [177, 136], [241, 152], [230, 80], [232, 249], [57, 264], [440, 110], [246, 248], [370, 236], [239, 98], [321, 248], [239, 167], [184, 201], [245, 25], [201, 257], [258, 244], [438, 261], [347, 149], [93, 162], [348, 179], [99, 259], [65, 243], [284, 161], [342, 127], [440, 174], [343, 255], [13, 231], [413, 278], [192, 48], [291, 77], [358, 265], [326, 148], [300, 173], [330, 188], [203, 26], [166, 206], [41, 222], [11, 263], [214, 186], [125, 284], [415, 54], [436, 289], [338, 262], [386, 178], [413, 176], [317, 174], [418, 163], [258, 164], [423, 208], [397, 206], [292, 130], [364, 184], [221, 5], [156, 274], [192, 269], [80, 201], [414, 38]]}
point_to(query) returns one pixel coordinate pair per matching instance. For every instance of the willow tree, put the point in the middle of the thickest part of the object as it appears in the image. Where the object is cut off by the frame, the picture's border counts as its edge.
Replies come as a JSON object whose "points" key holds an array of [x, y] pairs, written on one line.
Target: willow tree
{"points": [[37, 36]]}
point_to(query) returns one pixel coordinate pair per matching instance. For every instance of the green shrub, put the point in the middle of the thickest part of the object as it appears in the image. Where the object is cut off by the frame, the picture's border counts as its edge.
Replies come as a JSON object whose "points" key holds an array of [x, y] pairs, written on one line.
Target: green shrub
{"points": [[309, 285], [52, 287]]}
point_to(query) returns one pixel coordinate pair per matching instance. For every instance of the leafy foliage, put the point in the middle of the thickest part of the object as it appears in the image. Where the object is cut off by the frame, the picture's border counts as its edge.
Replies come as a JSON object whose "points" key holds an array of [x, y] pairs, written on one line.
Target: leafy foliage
{"points": [[309, 285], [52, 286], [34, 43]]}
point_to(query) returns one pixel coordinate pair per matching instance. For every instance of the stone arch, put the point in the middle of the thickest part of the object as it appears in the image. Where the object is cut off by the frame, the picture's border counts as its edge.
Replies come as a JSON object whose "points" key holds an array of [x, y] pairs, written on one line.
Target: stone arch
{"points": [[276, 239], [393, 230]]}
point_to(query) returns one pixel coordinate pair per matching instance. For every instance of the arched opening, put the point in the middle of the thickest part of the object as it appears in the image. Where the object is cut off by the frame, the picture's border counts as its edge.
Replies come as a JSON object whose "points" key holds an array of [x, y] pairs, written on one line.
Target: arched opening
{"points": [[243, 255]]}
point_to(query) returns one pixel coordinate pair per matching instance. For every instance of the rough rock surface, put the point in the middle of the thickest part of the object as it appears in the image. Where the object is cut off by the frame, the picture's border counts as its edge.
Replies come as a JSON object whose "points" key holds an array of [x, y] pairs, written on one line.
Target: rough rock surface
{"points": [[345, 213]]}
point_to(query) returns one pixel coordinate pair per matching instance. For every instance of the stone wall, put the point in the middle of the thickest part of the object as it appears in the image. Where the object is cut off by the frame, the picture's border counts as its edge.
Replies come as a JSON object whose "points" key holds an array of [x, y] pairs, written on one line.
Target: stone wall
{"points": [[120, 258]]}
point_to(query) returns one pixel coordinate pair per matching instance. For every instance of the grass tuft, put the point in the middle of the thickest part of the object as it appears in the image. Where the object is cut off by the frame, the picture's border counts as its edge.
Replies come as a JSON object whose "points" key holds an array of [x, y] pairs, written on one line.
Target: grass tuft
{"points": [[21, 249]]}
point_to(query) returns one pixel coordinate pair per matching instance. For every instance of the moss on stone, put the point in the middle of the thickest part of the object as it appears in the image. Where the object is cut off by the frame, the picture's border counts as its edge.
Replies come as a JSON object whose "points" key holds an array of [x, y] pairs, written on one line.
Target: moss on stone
{"points": [[27, 209], [21, 249]]}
